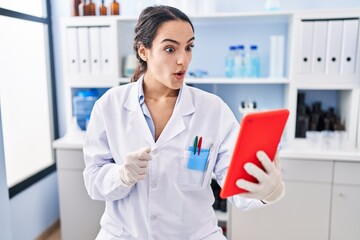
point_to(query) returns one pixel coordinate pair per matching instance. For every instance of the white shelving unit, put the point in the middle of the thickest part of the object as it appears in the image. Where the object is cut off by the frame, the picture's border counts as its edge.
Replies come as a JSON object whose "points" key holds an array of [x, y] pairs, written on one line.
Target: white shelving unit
{"points": [[214, 33]]}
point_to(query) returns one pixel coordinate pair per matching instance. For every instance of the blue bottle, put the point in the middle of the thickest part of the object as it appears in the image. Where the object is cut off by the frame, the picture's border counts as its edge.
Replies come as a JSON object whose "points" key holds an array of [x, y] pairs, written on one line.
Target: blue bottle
{"points": [[230, 62], [83, 104]]}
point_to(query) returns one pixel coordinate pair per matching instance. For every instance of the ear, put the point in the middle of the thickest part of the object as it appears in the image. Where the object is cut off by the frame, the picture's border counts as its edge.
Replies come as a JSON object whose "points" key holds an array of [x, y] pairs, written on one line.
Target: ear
{"points": [[142, 51]]}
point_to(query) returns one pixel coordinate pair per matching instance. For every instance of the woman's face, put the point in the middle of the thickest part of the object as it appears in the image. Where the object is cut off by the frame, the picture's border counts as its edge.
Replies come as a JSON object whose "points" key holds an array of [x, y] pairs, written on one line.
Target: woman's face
{"points": [[170, 54]]}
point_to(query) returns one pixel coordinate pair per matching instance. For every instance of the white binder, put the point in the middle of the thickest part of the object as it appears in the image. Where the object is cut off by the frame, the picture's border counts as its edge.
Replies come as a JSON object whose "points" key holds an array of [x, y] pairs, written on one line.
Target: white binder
{"points": [[84, 50], [333, 53], [307, 31], [319, 48], [106, 61], [349, 44], [72, 50], [95, 55]]}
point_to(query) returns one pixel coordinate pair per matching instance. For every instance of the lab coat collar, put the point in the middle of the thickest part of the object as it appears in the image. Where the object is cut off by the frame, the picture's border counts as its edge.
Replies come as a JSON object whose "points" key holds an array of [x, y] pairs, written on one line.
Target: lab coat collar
{"points": [[175, 124]]}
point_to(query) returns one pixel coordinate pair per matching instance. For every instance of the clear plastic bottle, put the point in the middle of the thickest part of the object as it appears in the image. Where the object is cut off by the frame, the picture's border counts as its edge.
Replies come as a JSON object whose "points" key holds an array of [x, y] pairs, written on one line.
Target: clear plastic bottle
{"points": [[240, 68], [230, 62], [254, 68]]}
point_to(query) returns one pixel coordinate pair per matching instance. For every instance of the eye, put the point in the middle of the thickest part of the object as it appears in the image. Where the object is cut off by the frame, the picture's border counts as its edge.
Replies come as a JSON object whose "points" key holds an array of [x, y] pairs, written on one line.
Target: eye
{"points": [[189, 48], [170, 49]]}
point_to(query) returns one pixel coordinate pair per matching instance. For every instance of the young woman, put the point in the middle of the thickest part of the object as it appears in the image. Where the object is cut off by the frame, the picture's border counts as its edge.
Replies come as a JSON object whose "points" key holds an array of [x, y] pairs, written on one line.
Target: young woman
{"points": [[152, 145]]}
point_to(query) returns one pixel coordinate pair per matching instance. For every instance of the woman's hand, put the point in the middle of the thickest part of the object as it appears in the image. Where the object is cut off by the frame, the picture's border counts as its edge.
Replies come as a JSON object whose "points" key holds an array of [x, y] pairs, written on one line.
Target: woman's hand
{"points": [[135, 166], [270, 187]]}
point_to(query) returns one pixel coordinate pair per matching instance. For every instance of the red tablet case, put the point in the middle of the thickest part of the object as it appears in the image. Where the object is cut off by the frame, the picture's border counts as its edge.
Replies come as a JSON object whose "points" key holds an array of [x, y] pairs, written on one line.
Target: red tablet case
{"points": [[258, 131]]}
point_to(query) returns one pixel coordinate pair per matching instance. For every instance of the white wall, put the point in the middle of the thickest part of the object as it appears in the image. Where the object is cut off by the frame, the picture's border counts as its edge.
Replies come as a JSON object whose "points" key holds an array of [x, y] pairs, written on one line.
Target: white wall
{"points": [[35, 209]]}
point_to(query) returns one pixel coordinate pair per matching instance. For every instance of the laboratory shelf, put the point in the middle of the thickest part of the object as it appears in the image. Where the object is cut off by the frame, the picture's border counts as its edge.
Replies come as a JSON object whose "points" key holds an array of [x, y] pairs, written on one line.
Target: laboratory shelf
{"points": [[237, 80]]}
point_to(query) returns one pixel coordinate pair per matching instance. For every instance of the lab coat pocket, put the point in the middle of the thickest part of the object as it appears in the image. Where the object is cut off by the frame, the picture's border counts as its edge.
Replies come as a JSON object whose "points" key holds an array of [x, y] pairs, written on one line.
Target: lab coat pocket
{"points": [[193, 169]]}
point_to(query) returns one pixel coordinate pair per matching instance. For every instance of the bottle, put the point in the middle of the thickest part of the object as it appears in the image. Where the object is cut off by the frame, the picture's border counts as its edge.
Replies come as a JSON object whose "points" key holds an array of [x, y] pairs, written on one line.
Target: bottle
{"points": [[103, 9], [230, 62], [130, 65], [91, 8], [83, 103], [254, 62], [114, 8], [83, 8], [272, 5], [75, 7], [240, 70]]}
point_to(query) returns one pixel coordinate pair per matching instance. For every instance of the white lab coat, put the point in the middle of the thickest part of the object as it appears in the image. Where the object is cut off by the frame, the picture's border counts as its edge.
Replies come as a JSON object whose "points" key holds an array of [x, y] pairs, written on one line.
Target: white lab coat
{"points": [[172, 202]]}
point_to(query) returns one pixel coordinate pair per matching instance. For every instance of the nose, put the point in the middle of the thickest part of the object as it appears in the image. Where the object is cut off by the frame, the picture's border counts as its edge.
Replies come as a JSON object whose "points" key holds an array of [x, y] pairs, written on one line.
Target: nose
{"points": [[184, 58]]}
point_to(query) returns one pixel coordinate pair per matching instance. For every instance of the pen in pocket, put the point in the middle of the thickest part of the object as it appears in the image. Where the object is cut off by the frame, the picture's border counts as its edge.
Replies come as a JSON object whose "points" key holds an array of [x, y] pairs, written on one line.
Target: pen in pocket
{"points": [[207, 164]]}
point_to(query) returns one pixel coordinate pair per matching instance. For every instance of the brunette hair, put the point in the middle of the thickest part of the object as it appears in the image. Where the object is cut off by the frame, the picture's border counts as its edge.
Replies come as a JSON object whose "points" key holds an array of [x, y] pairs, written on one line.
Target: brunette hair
{"points": [[148, 23]]}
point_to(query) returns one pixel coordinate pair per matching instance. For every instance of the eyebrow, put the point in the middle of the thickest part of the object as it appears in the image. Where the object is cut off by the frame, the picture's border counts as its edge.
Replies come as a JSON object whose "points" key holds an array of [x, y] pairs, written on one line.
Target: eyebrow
{"points": [[174, 41]]}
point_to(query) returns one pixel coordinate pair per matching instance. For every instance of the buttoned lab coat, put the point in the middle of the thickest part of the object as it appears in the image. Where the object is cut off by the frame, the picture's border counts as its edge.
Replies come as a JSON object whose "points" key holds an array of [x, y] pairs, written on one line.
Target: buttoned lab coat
{"points": [[173, 202]]}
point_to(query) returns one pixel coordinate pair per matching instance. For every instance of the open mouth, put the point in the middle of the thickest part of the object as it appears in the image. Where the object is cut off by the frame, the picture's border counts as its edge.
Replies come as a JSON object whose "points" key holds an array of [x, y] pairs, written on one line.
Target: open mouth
{"points": [[179, 75]]}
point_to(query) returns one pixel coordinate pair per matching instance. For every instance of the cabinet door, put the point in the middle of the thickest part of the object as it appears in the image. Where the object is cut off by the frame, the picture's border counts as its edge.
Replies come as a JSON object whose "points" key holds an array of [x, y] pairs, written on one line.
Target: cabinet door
{"points": [[345, 216], [302, 214], [80, 215]]}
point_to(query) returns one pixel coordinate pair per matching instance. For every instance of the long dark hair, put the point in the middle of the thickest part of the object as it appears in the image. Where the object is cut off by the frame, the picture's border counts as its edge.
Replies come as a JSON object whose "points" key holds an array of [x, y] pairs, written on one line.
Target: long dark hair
{"points": [[148, 23]]}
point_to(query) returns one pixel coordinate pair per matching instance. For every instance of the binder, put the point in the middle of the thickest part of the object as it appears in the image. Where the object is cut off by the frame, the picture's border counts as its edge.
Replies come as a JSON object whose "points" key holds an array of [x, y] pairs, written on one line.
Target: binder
{"points": [[94, 33], [106, 61], [72, 50], [349, 44], [307, 31], [333, 53], [319, 47], [84, 50]]}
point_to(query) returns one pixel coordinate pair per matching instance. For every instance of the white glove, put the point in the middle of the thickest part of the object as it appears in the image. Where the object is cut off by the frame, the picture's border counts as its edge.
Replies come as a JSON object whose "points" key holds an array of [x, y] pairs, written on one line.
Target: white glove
{"points": [[135, 166], [270, 187]]}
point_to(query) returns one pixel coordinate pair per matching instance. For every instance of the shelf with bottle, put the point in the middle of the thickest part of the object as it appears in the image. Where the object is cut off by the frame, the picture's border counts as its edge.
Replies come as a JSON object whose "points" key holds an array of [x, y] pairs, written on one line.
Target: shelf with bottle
{"points": [[249, 48], [89, 8], [325, 119]]}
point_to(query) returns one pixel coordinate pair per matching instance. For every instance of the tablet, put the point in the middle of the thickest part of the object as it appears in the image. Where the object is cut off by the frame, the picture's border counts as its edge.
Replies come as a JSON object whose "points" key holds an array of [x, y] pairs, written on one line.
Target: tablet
{"points": [[258, 131]]}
